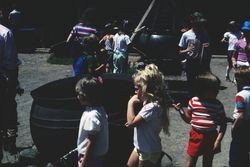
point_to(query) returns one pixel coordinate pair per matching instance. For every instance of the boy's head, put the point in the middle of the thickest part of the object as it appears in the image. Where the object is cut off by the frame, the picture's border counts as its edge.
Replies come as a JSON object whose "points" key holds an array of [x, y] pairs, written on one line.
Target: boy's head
{"points": [[197, 21], [207, 82], [233, 26], [89, 90], [242, 76], [90, 43]]}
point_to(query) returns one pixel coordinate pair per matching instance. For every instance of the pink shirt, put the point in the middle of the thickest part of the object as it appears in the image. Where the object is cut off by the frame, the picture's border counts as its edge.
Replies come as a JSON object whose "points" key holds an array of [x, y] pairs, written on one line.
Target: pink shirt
{"points": [[240, 49]]}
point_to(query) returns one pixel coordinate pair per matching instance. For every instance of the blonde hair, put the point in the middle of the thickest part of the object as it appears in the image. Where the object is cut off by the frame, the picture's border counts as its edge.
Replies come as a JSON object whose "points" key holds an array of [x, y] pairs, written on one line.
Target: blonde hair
{"points": [[153, 87]]}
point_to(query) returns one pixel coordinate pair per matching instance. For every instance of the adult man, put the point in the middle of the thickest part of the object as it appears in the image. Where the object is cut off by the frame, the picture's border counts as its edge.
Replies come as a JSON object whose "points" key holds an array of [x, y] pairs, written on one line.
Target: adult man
{"points": [[194, 45], [9, 63]]}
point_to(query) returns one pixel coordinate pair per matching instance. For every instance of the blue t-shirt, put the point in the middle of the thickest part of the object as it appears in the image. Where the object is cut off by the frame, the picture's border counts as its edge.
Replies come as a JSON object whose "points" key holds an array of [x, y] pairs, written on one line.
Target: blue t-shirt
{"points": [[84, 64]]}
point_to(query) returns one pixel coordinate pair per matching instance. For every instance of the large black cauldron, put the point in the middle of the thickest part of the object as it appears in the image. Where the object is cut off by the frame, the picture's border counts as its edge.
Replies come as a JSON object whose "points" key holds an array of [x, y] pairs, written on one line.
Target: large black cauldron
{"points": [[162, 50], [55, 116]]}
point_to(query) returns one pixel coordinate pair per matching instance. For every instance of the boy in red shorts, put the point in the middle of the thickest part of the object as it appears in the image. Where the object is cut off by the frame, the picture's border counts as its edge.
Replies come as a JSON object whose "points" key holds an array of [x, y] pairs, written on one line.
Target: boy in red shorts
{"points": [[204, 113]]}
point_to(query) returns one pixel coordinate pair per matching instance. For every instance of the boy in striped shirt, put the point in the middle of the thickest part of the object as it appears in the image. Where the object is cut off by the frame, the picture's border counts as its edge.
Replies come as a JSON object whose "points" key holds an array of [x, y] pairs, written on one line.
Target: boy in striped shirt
{"points": [[204, 113], [239, 148]]}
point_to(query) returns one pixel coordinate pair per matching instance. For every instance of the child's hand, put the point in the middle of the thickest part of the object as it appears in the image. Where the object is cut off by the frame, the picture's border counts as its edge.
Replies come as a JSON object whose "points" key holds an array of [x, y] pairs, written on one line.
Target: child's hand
{"points": [[81, 163], [217, 147], [177, 106], [134, 99]]}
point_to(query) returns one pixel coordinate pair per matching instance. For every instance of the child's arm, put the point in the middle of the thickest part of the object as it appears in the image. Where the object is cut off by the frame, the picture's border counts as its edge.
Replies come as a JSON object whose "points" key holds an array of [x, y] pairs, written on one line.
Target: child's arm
{"points": [[132, 119], [237, 121], [222, 130], [234, 59], [184, 114], [240, 107], [103, 38], [91, 140]]}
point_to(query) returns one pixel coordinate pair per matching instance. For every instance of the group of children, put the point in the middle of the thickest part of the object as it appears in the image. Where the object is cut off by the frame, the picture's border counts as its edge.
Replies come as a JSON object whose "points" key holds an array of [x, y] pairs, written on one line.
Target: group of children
{"points": [[238, 40], [109, 51], [204, 112]]}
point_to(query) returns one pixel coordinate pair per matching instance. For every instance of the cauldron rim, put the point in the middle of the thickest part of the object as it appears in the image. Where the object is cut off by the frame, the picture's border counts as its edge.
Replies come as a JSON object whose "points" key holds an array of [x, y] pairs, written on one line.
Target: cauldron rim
{"points": [[33, 93]]}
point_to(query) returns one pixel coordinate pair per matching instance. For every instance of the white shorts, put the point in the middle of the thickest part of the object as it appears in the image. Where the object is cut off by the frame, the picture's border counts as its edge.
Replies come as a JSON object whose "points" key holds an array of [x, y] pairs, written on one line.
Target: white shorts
{"points": [[152, 156]]}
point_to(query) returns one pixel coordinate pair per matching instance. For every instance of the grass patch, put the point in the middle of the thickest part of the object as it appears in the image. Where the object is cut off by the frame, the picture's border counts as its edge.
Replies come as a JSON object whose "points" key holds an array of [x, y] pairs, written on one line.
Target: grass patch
{"points": [[63, 60]]}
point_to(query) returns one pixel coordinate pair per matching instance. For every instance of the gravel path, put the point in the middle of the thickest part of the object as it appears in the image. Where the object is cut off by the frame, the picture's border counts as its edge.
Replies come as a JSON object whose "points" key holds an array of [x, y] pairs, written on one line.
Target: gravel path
{"points": [[35, 71]]}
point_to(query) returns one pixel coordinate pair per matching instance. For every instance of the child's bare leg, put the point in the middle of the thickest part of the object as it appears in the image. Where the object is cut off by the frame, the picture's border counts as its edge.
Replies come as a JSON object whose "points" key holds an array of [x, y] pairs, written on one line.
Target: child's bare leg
{"points": [[208, 160], [133, 160], [191, 161]]}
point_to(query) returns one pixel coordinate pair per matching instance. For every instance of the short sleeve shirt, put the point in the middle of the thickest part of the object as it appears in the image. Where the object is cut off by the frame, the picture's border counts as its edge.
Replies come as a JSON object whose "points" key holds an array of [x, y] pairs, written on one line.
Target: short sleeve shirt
{"points": [[93, 122], [206, 114], [80, 31], [190, 38], [121, 42], [232, 39], [146, 134], [240, 49], [8, 52], [242, 103]]}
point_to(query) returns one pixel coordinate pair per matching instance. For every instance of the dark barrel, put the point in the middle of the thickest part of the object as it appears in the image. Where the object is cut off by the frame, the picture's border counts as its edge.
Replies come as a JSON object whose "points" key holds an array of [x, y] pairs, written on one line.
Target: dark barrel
{"points": [[162, 50], [55, 116]]}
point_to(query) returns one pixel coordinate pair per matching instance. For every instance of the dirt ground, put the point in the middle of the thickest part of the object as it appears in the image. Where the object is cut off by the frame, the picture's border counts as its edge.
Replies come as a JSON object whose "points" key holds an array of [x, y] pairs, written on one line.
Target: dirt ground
{"points": [[35, 71]]}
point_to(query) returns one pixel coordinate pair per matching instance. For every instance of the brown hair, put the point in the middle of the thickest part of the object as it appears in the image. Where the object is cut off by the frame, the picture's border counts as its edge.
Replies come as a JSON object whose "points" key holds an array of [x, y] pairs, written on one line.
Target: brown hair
{"points": [[242, 75], [90, 88], [206, 81]]}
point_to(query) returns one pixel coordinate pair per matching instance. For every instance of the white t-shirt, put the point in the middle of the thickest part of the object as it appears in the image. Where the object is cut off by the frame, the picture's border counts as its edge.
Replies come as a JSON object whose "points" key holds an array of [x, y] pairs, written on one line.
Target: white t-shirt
{"points": [[190, 38], [146, 134], [232, 39], [121, 42], [93, 121]]}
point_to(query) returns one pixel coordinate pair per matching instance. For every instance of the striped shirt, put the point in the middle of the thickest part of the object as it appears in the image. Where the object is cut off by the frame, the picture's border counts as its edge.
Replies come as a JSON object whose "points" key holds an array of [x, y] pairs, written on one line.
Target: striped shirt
{"points": [[206, 115], [242, 103], [80, 31]]}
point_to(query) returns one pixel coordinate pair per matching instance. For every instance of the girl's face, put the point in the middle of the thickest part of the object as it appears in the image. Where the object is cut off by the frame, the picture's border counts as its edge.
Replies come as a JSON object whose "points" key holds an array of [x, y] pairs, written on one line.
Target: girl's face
{"points": [[138, 91]]}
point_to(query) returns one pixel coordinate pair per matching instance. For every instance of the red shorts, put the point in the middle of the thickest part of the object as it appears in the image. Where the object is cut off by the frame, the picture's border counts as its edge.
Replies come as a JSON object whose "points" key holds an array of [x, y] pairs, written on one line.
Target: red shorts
{"points": [[201, 143]]}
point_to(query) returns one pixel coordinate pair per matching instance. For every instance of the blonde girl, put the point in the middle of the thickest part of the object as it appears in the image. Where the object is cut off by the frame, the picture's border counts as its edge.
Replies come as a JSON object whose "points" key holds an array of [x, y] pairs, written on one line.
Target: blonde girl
{"points": [[150, 120]]}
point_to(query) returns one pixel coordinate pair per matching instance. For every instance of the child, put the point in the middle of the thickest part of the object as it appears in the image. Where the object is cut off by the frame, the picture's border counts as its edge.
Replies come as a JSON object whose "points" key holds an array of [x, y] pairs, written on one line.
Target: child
{"points": [[204, 113], [151, 119], [107, 40], [231, 37], [121, 45], [239, 148], [241, 56], [86, 62], [92, 142]]}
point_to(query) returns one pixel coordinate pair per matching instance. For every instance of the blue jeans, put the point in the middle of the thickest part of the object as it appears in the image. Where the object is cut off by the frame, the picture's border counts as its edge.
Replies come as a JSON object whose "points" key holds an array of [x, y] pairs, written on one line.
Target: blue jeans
{"points": [[120, 62]]}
